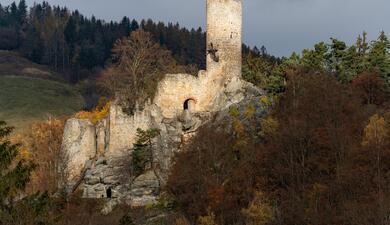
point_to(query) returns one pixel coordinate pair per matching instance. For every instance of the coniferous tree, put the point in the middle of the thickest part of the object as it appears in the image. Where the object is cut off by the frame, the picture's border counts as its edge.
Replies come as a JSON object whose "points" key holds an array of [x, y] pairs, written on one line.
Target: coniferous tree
{"points": [[379, 56], [14, 173]]}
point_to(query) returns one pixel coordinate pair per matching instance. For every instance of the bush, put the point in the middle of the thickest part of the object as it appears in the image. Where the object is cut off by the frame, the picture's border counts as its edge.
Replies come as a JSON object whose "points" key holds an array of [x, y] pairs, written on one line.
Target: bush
{"points": [[96, 115]]}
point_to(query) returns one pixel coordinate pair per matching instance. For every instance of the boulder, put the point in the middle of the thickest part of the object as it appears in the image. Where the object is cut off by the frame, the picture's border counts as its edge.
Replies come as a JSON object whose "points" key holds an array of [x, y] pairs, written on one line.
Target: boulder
{"points": [[145, 189]]}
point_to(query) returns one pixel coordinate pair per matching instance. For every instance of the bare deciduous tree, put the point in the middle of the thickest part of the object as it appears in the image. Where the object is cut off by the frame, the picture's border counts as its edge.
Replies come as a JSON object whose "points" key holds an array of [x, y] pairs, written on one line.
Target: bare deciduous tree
{"points": [[138, 63]]}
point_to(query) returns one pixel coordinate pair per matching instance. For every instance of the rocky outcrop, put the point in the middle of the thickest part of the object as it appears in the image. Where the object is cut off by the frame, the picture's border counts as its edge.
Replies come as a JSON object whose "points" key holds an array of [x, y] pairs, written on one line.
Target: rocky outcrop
{"points": [[182, 104], [79, 144], [144, 189], [108, 148], [108, 177]]}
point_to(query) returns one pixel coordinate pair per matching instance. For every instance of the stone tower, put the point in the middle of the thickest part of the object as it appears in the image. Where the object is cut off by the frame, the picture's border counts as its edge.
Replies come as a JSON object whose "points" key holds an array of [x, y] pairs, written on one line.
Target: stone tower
{"points": [[98, 154], [224, 37]]}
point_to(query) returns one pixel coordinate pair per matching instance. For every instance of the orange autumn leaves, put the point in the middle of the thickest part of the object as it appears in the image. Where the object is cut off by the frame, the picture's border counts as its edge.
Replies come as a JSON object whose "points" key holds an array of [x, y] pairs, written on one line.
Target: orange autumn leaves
{"points": [[97, 114]]}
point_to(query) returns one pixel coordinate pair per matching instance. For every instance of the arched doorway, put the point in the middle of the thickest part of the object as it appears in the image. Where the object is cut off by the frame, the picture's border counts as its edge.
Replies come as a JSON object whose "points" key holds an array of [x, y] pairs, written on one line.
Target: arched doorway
{"points": [[189, 104]]}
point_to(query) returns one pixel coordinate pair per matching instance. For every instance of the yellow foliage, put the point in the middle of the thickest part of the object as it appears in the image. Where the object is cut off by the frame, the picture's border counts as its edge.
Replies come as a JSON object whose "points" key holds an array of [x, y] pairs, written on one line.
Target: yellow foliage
{"points": [[259, 211], [265, 100], [234, 112], [95, 115], [241, 134], [181, 221], [24, 154], [238, 127], [250, 111], [376, 132], [43, 141], [269, 126], [207, 220]]}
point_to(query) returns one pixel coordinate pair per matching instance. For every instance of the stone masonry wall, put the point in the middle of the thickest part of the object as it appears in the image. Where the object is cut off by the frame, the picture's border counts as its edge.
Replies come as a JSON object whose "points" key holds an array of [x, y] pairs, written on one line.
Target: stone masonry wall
{"points": [[103, 151], [122, 128], [224, 31]]}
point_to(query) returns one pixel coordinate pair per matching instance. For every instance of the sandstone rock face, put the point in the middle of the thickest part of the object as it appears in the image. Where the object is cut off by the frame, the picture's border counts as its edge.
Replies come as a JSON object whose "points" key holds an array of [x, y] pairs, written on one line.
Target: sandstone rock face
{"points": [[145, 189], [102, 137], [108, 177], [109, 173], [79, 143]]}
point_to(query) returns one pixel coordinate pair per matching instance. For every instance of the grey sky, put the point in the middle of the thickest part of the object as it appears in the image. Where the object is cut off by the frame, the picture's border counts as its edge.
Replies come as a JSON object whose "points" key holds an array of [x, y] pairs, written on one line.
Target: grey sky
{"points": [[283, 26]]}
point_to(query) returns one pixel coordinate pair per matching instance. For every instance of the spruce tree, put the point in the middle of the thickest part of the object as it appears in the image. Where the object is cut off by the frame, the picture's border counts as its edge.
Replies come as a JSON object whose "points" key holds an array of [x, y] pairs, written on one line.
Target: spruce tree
{"points": [[379, 56], [14, 173]]}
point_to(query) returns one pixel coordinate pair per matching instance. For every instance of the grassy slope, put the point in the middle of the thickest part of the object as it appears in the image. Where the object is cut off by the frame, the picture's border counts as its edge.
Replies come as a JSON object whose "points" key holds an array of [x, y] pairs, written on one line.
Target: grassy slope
{"points": [[29, 92]]}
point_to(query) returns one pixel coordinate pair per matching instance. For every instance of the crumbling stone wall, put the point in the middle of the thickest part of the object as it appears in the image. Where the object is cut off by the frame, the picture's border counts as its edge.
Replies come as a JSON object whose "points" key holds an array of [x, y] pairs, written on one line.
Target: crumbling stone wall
{"points": [[220, 84], [104, 150], [108, 174], [122, 128]]}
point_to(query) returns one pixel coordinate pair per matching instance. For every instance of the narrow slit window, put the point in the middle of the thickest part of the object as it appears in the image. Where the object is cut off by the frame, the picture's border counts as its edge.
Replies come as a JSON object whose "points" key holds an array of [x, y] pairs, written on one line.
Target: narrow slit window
{"points": [[109, 193]]}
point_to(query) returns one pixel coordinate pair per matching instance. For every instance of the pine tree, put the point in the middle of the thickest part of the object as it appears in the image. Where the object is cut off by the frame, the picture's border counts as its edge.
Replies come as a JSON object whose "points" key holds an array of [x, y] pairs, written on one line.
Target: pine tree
{"points": [[142, 155], [14, 174], [379, 56], [316, 58], [22, 12]]}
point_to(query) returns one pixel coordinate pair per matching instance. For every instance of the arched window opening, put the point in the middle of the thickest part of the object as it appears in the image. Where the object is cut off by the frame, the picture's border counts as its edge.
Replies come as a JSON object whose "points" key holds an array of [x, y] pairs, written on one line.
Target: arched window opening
{"points": [[189, 104], [109, 193]]}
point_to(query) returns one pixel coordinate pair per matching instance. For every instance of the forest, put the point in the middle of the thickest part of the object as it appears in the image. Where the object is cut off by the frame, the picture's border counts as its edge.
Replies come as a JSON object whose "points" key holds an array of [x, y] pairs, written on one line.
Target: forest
{"points": [[78, 46], [320, 156]]}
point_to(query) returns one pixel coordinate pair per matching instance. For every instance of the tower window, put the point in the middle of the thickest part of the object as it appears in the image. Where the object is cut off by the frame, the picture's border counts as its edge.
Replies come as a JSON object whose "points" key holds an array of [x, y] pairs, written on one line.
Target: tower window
{"points": [[109, 193]]}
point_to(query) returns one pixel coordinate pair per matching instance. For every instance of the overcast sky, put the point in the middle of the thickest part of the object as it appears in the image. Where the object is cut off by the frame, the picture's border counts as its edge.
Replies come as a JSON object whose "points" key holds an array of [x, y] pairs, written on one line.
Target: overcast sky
{"points": [[283, 26]]}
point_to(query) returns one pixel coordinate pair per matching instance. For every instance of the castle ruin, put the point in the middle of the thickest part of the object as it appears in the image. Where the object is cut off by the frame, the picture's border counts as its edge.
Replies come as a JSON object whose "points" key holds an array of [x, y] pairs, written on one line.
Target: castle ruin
{"points": [[99, 156]]}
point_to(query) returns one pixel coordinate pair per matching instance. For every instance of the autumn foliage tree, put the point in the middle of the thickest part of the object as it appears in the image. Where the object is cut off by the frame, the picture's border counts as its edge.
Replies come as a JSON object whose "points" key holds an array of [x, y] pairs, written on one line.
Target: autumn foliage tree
{"points": [[44, 139], [320, 125], [15, 174], [321, 157], [213, 180], [138, 64], [371, 87]]}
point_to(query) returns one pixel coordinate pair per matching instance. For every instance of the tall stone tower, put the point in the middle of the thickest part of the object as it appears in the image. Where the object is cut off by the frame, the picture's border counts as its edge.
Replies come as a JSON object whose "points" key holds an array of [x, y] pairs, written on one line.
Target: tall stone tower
{"points": [[224, 37]]}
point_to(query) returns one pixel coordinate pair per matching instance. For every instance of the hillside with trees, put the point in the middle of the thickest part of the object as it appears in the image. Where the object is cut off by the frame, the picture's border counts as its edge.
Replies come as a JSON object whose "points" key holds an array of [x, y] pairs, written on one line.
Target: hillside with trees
{"points": [[78, 46], [320, 155]]}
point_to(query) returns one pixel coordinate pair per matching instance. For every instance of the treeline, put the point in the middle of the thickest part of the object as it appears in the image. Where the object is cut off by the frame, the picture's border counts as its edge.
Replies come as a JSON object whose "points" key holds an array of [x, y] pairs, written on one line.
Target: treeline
{"points": [[336, 58], [78, 46]]}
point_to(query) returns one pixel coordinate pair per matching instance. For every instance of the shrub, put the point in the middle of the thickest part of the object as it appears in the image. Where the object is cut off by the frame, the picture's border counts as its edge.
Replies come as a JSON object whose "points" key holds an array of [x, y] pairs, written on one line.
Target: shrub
{"points": [[96, 115]]}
